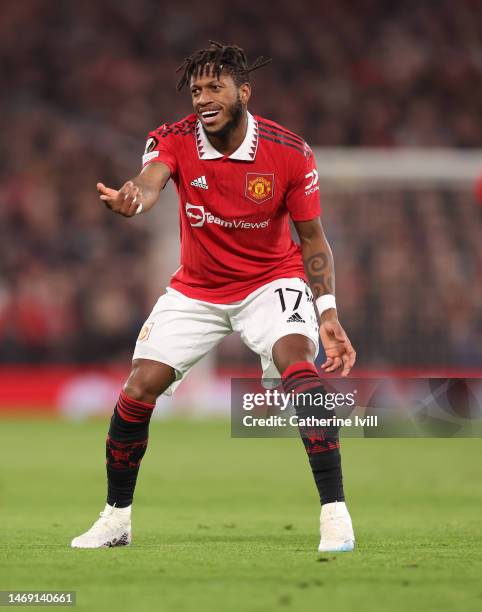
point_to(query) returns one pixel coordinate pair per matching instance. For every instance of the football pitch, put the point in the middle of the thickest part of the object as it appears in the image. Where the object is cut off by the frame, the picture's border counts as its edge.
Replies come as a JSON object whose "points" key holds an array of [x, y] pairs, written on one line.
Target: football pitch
{"points": [[232, 524]]}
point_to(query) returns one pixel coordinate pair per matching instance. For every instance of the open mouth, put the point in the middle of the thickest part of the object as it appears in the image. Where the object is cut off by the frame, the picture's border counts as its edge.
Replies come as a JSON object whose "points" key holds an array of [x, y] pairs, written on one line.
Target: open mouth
{"points": [[209, 116]]}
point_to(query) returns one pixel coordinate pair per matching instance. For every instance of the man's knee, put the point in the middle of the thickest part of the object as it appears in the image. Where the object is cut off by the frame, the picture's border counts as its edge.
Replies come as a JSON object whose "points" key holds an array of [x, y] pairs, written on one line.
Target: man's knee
{"points": [[292, 349], [148, 379]]}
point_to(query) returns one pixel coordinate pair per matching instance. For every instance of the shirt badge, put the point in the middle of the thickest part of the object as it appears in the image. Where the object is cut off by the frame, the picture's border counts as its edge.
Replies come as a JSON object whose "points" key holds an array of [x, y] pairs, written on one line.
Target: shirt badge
{"points": [[259, 187], [151, 144]]}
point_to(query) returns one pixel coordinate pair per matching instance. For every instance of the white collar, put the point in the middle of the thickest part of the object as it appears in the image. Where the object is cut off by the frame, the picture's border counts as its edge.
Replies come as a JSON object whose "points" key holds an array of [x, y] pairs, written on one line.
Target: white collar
{"points": [[246, 150]]}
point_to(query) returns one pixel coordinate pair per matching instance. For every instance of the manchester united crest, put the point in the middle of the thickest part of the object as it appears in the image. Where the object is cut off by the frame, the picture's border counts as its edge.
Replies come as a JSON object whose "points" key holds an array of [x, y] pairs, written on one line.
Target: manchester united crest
{"points": [[259, 187], [145, 332]]}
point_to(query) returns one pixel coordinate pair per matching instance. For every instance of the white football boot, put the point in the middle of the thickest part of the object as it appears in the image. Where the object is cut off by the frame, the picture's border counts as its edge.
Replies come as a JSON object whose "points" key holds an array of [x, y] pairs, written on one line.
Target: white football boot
{"points": [[336, 529], [113, 528]]}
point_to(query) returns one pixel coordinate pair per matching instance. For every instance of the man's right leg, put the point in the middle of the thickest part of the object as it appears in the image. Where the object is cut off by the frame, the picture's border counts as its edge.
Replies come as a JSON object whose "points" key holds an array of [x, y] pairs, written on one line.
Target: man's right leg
{"points": [[177, 334], [125, 447], [129, 427]]}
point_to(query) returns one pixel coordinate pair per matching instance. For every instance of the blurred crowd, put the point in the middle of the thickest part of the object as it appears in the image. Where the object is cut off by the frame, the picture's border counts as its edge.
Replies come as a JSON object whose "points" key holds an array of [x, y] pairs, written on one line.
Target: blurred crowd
{"points": [[368, 73], [409, 275], [71, 284], [86, 81]]}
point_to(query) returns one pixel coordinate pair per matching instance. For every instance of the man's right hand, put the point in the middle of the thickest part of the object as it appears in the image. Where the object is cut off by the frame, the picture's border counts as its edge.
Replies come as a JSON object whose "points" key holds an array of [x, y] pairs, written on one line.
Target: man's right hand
{"points": [[125, 202]]}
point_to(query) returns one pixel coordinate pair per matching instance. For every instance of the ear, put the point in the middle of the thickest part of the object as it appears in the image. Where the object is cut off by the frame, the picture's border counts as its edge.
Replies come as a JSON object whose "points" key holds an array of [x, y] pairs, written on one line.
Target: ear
{"points": [[245, 93]]}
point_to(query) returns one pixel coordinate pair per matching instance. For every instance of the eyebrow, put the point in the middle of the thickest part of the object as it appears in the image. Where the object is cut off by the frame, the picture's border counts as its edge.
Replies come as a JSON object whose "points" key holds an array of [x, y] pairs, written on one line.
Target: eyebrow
{"points": [[213, 82]]}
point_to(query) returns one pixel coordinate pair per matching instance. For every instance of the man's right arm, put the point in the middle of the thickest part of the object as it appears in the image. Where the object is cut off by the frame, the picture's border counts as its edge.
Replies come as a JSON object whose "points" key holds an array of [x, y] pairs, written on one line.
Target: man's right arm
{"points": [[143, 190]]}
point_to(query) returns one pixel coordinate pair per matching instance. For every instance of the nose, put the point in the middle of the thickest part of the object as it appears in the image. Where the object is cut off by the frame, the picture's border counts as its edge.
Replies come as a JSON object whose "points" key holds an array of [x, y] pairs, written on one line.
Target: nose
{"points": [[204, 97]]}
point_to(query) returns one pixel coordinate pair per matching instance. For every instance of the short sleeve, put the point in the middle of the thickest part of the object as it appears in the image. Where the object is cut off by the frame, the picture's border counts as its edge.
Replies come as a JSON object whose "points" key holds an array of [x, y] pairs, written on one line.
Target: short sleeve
{"points": [[303, 196], [160, 148]]}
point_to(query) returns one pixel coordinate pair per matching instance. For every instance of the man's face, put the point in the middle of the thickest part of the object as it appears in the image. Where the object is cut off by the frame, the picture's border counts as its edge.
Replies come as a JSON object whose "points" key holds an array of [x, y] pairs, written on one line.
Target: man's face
{"points": [[218, 102]]}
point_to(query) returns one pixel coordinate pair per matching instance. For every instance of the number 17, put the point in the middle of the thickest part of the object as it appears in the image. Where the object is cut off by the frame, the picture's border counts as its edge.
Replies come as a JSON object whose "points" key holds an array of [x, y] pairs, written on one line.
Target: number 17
{"points": [[282, 297]]}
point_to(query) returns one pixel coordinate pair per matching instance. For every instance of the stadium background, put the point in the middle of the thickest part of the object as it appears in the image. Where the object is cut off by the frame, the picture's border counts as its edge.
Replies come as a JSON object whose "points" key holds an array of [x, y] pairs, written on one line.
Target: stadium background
{"points": [[389, 95], [87, 81]]}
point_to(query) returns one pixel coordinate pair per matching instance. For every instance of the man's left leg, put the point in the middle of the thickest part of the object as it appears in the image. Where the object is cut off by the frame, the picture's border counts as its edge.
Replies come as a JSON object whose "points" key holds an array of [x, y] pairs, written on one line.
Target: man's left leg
{"points": [[293, 356]]}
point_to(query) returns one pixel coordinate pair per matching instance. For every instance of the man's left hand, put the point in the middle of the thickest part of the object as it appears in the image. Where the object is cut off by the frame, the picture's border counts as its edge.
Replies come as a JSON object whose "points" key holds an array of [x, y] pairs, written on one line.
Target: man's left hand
{"points": [[338, 348]]}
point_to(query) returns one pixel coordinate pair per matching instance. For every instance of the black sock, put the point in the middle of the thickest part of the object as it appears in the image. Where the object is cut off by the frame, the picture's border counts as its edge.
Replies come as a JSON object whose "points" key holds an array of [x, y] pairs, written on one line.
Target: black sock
{"points": [[321, 444], [125, 446]]}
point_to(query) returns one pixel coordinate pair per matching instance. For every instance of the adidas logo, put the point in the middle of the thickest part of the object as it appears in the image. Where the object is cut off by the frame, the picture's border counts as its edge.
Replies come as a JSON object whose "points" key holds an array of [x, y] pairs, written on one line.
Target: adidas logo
{"points": [[295, 318], [200, 182]]}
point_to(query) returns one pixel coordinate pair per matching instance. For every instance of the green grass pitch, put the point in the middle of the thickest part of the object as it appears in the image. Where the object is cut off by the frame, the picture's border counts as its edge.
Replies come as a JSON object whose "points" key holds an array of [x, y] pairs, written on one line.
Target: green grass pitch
{"points": [[232, 524]]}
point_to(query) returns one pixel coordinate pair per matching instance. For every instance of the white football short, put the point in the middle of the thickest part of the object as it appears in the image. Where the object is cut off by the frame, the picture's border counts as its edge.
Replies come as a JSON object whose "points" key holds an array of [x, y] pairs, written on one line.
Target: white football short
{"points": [[181, 330]]}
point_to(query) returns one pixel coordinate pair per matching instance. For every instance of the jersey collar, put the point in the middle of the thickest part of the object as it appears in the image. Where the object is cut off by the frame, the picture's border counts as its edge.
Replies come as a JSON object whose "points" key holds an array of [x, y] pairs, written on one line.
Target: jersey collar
{"points": [[245, 152]]}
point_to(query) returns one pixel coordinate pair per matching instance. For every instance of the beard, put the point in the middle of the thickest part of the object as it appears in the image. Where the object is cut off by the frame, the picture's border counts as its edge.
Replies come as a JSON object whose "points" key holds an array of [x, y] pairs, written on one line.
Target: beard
{"points": [[236, 112]]}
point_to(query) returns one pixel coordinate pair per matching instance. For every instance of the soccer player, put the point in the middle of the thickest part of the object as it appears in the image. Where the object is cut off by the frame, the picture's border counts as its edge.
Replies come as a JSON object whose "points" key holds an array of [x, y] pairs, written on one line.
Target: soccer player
{"points": [[240, 178]]}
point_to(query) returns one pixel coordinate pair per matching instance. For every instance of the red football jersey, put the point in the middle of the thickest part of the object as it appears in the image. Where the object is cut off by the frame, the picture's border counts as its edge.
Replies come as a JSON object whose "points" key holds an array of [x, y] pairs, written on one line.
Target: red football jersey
{"points": [[235, 210]]}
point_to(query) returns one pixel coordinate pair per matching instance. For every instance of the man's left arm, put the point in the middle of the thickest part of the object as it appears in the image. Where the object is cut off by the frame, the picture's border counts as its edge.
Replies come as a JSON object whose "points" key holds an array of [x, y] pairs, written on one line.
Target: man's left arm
{"points": [[320, 270]]}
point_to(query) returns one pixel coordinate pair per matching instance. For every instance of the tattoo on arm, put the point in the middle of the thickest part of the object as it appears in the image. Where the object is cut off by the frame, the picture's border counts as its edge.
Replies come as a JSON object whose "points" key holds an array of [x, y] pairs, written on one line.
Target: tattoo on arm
{"points": [[321, 274]]}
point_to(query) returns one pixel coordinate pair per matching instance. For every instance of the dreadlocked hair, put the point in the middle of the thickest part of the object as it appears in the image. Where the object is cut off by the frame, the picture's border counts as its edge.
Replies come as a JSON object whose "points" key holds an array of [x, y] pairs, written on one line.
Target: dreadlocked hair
{"points": [[216, 58]]}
